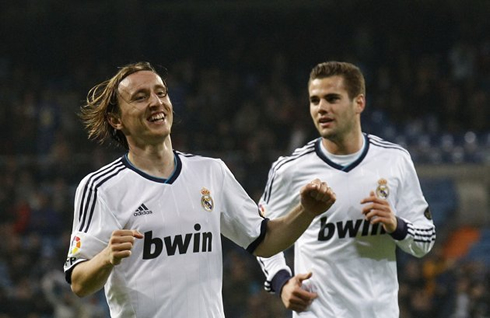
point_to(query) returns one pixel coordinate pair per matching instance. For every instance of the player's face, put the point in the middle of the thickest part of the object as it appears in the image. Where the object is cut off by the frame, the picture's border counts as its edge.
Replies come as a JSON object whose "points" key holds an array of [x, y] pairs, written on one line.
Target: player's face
{"points": [[334, 114], [145, 109]]}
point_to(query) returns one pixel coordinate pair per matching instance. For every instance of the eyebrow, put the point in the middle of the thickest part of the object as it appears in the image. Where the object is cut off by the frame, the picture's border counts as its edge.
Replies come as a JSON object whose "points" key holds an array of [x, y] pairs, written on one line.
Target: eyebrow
{"points": [[145, 90], [326, 96]]}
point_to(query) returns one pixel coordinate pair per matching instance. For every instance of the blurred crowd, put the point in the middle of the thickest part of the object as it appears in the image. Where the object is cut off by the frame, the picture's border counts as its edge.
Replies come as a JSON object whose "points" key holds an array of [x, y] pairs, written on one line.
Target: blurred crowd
{"points": [[244, 101]]}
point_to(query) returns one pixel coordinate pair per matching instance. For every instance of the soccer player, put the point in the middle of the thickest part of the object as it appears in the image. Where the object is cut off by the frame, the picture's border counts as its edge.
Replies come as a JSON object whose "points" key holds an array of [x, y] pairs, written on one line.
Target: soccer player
{"points": [[345, 263], [147, 226]]}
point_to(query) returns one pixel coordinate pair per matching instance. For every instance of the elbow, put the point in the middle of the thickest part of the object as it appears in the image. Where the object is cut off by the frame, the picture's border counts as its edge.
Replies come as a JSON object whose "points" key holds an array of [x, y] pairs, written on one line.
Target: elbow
{"points": [[262, 251], [263, 254], [78, 290], [422, 252], [267, 250], [82, 290]]}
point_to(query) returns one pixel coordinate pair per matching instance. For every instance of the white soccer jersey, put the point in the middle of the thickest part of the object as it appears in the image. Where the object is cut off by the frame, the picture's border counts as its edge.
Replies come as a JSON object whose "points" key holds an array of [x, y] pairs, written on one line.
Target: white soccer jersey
{"points": [[176, 270], [353, 262]]}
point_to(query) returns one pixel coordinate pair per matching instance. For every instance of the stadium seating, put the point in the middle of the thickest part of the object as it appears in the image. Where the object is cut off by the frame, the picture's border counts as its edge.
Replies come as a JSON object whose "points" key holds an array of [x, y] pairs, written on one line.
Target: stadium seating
{"points": [[442, 197]]}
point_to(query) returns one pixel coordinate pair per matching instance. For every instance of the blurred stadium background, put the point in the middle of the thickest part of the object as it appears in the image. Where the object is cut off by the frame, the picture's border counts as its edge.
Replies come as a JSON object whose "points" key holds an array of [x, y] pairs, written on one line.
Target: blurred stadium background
{"points": [[237, 72]]}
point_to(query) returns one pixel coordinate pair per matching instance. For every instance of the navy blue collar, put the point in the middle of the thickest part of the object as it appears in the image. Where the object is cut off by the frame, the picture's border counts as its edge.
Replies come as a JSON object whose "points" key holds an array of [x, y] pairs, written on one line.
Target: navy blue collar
{"points": [[349, 167], [173, 176]]}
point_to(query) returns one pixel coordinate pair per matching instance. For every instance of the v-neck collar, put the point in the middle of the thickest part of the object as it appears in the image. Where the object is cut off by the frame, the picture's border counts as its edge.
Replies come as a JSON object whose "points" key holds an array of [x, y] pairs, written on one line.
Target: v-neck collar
{"points": [[347, 168], [170, 180]]}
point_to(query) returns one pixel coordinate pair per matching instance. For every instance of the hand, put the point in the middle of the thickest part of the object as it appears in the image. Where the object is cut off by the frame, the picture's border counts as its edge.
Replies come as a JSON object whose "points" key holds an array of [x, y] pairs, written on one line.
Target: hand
{"points": [[294, 297], [379, 211], [120, 245], [317, 197]]}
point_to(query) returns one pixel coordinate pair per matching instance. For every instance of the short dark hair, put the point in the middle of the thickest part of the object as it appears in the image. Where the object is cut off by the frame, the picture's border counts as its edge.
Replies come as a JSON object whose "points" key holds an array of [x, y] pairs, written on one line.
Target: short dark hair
{"points": [[353, 78]]}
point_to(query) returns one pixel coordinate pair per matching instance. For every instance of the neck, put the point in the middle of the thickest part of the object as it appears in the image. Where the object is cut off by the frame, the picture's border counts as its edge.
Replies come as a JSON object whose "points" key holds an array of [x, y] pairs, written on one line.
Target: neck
{"points": [[157, 161], [348, 145]]}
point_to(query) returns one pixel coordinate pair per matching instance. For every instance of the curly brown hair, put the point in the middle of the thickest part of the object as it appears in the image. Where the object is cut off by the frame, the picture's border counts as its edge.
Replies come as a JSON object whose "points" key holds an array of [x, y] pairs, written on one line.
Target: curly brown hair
{"points": [[102, 101]]}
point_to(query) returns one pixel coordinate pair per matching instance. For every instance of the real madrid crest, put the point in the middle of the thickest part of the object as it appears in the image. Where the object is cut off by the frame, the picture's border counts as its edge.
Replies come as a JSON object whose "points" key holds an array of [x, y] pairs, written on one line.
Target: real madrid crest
{"points": [[206, 200], [382, 191]]}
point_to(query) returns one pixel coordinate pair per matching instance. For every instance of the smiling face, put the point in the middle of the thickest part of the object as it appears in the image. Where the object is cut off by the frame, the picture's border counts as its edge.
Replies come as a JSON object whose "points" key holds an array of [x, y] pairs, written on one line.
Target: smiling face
{"points": [[145, 111], [336, 116]]}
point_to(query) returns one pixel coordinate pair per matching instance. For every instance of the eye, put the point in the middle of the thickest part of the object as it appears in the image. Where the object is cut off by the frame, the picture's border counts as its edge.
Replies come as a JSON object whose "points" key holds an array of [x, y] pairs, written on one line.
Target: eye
{"points": [[314, 100], [332, 99], [162, 93], [140, 97]]}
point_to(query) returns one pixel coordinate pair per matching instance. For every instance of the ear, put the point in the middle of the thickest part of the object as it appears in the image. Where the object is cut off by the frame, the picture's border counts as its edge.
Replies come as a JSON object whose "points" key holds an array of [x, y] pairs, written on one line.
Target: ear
{"points": [[114, 121], [360, 102]]}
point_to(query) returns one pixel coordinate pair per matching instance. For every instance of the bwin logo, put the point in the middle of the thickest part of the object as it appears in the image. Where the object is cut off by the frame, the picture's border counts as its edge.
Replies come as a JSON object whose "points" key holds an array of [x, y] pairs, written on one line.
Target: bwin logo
{"points": [[350, 228], [153, 246]]}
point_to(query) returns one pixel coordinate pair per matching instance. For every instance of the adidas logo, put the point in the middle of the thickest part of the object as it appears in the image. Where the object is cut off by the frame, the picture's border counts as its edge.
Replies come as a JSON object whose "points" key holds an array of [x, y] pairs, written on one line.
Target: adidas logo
{"points": [[142, 210]]}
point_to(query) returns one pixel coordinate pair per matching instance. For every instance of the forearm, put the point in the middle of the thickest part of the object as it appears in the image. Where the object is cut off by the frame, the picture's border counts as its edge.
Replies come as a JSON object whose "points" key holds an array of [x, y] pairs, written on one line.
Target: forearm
{"points": [[276, 271], [284, 231], [90, 276], [414, 239]]}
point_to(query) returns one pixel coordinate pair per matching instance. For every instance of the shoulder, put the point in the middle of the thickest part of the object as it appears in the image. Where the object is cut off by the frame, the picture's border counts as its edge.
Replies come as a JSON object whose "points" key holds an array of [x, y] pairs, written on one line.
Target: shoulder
{"points": [[201, 163], [190, 158], [389, 152], [105, 174], [297, 156], [381, 145]]}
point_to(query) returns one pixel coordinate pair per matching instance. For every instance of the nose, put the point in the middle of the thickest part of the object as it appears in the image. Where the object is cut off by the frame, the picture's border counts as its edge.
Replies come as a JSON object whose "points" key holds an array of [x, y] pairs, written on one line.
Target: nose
{"points": [[155, 100], [324, 106]]}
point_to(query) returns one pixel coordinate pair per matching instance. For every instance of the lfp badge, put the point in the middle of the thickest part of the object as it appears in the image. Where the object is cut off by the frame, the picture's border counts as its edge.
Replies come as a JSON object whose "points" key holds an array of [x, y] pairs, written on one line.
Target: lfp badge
{"points": [[76, 245]]}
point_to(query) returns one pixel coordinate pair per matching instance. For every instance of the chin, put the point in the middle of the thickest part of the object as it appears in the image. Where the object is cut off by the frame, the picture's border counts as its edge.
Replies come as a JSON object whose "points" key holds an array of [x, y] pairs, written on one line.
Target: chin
{"points": [[330, 135]]}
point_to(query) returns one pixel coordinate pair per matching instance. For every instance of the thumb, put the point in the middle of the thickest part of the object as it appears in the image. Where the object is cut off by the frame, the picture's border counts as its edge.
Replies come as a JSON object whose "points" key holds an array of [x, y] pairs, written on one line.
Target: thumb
{"points": [[305, 276], [137, 234]]}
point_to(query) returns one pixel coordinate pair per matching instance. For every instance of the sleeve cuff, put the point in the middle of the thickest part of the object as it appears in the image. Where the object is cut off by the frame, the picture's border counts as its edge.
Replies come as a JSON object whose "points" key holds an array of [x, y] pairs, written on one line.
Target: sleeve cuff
{"points": [[263, 229], [279, 280], [68, 275], [401, 230]]}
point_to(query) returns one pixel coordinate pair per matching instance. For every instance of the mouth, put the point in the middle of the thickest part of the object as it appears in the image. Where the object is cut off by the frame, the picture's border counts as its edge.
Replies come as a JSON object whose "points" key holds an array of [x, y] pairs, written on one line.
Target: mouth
{"points": [[157, 117], [324, 121]]}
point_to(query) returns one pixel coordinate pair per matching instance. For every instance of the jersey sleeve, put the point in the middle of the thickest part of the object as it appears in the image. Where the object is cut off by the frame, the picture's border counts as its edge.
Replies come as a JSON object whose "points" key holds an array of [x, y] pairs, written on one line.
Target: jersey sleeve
{"points": [[275, 202], [241, 221], [276, 271], [93, 224], [415, 233]]}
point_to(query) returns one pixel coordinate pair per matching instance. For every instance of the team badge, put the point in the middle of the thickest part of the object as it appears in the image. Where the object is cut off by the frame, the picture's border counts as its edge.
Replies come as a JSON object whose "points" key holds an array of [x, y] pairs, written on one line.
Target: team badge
{"points": [[382, 191], [428, 214], [262, 210], [206, 200], [76, 245]]}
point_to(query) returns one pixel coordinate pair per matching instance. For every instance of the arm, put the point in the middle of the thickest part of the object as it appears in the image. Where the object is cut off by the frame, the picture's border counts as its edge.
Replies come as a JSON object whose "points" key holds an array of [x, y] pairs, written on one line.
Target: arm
{"points": [[294, 294], [297, 296], [408, 221], [416, 239], [415, 232], [378, 210], [90, 276], [276, 202], [315, 198]]}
